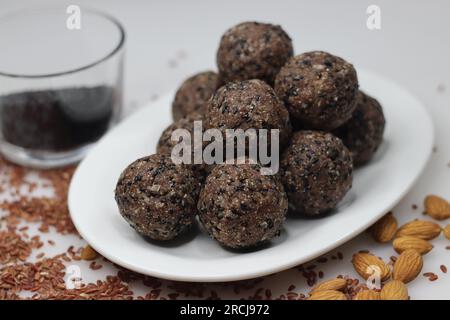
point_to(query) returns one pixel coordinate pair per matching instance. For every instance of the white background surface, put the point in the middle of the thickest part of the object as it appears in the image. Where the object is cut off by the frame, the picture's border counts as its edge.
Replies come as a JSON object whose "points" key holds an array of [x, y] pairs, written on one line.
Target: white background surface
{"points": [[169, 40]]}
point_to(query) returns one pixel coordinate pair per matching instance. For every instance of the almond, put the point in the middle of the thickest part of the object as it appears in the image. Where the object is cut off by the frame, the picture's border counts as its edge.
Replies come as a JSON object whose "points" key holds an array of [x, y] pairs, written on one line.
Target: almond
{"points": [[404, 243], [366, 264], [408, 266], [327, 295], [447, 231], [437, 207], [88, 253], [394, 290], [332, 284], [367, 295], [384, 229], [426, 230]]}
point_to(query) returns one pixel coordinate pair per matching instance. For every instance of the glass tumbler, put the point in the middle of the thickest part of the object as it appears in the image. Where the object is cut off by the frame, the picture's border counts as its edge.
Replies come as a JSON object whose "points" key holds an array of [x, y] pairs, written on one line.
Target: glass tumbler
{"points": [[60, 83]]}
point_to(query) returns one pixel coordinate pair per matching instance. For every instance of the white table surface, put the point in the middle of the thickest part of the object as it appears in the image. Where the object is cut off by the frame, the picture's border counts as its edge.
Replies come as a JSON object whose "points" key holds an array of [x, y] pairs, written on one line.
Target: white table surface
{"points": [[169, 40]]}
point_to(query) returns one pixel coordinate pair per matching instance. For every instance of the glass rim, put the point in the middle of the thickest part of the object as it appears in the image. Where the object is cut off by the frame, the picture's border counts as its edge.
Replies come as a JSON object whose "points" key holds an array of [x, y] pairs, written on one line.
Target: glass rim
{"points": [[112, 53]]}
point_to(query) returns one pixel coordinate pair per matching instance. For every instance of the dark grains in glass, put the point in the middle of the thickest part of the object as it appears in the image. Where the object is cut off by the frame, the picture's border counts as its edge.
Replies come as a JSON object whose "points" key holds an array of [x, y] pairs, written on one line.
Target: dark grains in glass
{"points": [[56, 120]]}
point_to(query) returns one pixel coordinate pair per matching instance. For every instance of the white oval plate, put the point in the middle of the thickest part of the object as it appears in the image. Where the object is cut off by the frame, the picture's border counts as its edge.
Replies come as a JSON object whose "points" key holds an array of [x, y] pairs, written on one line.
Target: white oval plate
{"points": [[376, 189]]}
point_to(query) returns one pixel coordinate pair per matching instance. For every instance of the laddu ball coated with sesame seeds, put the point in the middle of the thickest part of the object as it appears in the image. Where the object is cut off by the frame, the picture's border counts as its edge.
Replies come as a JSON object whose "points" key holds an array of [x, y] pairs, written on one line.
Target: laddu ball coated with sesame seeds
{"points": [[363, 133], [157, 197], [166, 144], [316, 172], [193, 93], [240, 207], [252, 50], [250, 104], [318, 89]]}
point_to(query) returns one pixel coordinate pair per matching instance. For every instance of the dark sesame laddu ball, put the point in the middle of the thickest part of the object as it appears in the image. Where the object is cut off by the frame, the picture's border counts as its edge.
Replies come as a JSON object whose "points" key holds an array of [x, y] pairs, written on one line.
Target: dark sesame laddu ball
{"points": [[193, 93], [240, 207], [157, 198], [316, 172], [166, 144], [363, 133], [318, 89], [250, 104], [253, 50]]}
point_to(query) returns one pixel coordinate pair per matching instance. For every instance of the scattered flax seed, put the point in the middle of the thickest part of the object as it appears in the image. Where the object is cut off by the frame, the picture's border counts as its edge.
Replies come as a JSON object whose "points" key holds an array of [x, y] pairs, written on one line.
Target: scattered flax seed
{"points": [[431, 276], [40, 255], [443, 268], [414, 207], [322, 260], [213, 295], [45, 278], [352, 287], [292, 296], [281, 297], [189, 289], [153, 295], [310, 276], [13, 248], [59, 180], [51, 242], [257, 294], [14, 173], [47, 211], [94, 266], [173, 296]]}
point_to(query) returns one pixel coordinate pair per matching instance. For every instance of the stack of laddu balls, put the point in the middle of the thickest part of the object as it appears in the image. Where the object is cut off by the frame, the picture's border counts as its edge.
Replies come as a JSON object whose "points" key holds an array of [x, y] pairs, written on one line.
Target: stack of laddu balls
{"points": [[326, 125]]}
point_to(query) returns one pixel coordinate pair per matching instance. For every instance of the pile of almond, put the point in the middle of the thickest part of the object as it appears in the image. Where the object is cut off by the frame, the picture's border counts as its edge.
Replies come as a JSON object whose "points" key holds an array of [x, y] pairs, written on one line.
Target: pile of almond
{"points": [[410, 241]]}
